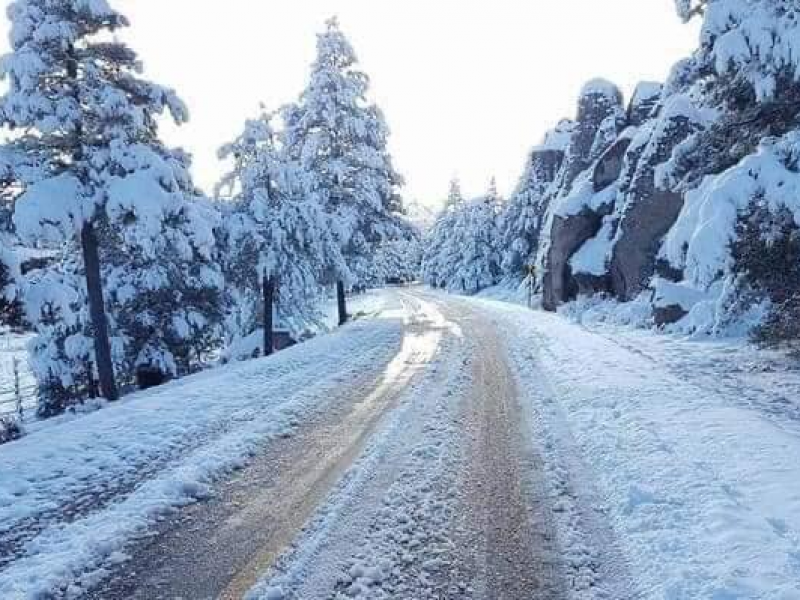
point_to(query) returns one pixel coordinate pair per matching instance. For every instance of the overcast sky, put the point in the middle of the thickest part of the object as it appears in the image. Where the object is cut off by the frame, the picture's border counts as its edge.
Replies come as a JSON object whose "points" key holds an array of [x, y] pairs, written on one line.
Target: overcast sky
{"points": [[468, 86]]}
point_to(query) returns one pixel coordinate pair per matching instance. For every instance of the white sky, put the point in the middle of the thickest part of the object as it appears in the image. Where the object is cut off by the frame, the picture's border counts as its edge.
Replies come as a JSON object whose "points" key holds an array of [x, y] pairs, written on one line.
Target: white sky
{"points": [[468, 86]]}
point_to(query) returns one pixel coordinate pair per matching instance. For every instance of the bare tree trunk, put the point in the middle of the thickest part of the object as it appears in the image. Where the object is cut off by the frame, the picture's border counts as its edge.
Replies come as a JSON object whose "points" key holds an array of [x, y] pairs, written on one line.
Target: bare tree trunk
{"points": [[269, 304], [97, 310], [341, 301]]}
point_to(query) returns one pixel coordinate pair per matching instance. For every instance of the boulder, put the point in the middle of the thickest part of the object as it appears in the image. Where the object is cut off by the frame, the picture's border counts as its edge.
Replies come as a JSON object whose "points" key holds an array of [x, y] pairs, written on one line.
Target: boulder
{"points": [[567, 236], [667, 315], [576, 215], [644, 102], [590, 285], [599, 107]]}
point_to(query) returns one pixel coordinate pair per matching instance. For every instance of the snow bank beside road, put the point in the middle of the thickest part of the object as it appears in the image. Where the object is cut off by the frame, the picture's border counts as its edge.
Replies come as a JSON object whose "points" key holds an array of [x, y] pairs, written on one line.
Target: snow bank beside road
{"points": [[71, 495], [701, 493]]}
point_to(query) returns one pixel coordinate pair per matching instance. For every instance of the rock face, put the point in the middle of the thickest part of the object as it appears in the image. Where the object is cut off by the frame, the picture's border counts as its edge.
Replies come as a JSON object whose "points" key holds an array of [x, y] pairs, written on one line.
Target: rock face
{"points": [[644, 103], [574, 218], [646, 213], [599, 103], [640, 234], [608, 168], [607, 215], [567, 237]]}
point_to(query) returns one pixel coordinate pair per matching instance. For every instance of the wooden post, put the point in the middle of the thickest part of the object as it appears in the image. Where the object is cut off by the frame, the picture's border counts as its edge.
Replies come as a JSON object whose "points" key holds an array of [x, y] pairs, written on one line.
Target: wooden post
{"points": [[17, 389], [531, 284], [341, 302], [269, 325]]}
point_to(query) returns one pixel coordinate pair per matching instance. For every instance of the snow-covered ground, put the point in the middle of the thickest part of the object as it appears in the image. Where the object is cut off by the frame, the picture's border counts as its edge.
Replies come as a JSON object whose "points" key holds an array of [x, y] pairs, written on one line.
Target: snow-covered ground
{"points": [[666, 485], [72, 493], [13, 350], [659, 468]]}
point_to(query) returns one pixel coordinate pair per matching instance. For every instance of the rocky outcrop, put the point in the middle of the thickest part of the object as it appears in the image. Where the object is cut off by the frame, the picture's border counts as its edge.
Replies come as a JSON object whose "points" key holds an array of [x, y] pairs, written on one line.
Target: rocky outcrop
{"points": [[644, 103], [567, 236], [646, 212], [576, 214], [600, 116], [608, 214]]}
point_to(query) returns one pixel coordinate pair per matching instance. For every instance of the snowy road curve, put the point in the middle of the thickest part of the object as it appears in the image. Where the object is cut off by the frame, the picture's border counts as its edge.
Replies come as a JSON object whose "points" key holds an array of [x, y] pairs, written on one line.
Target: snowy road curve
{"points": [[445, 448]]}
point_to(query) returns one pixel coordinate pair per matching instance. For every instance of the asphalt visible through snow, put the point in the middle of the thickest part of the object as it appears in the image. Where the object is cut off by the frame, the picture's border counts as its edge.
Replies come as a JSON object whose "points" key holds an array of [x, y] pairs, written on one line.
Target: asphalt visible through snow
{"points": [[421, 483]]}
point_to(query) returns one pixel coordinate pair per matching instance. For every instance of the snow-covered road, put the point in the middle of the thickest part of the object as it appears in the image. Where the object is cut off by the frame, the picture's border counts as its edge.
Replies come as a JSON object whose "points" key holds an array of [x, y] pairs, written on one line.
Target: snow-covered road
{"points": [[446, 448]]}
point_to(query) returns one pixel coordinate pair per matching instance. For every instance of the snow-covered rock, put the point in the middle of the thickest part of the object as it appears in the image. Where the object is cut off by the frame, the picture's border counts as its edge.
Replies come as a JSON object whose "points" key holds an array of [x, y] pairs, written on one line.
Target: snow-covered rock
{"points": [[646, 212]]}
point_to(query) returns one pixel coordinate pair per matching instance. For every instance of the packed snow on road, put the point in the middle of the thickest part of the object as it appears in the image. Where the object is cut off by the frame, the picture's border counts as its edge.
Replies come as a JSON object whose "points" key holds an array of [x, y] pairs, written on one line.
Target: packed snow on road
{"points": [[646, 480]]}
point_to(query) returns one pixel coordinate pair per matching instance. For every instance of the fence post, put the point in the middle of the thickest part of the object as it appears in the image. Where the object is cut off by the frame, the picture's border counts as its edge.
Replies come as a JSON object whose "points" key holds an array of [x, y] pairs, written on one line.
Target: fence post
{"points": [[17, 388]]}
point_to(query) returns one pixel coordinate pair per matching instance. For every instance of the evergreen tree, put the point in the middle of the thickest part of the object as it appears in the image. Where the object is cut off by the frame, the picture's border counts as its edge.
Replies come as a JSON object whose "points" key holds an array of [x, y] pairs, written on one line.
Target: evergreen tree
{"points": [[747, 72], [277, 235], [463, 250], [340, 140], [436, 267], [479, 266], [10, 278], [521, 222], [106, 186], [399, 261], [10, 307]]}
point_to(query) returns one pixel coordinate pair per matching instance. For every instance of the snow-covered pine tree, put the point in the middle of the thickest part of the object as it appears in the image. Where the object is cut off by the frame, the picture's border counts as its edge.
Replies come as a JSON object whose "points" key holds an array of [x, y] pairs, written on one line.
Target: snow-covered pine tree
{"points": [[746, 71], [340, 139], [463, 250], [163, 276], [437, 264], [10, 307], [455, 197], [736, 171], [399, 261], [521, 221], [107, 185], [477, 245], [278, 241]]}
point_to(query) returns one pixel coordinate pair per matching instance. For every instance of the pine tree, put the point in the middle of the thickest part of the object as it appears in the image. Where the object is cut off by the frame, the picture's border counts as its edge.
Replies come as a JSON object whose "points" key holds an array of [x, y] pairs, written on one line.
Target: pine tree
{"points": [[435, 266], [463, 251], [10, 307], [278, 239], [341, 141], [479, 255], [747, 72], [10, 277], [106, 185], [521, 221], [399, 261]]}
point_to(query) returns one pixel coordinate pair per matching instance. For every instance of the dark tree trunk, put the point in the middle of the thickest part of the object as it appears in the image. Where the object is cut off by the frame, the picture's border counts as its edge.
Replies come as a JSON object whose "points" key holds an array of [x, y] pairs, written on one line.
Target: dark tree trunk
{"points": [[341, 301], [97, 310], [269, 326], [91, 262]]}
